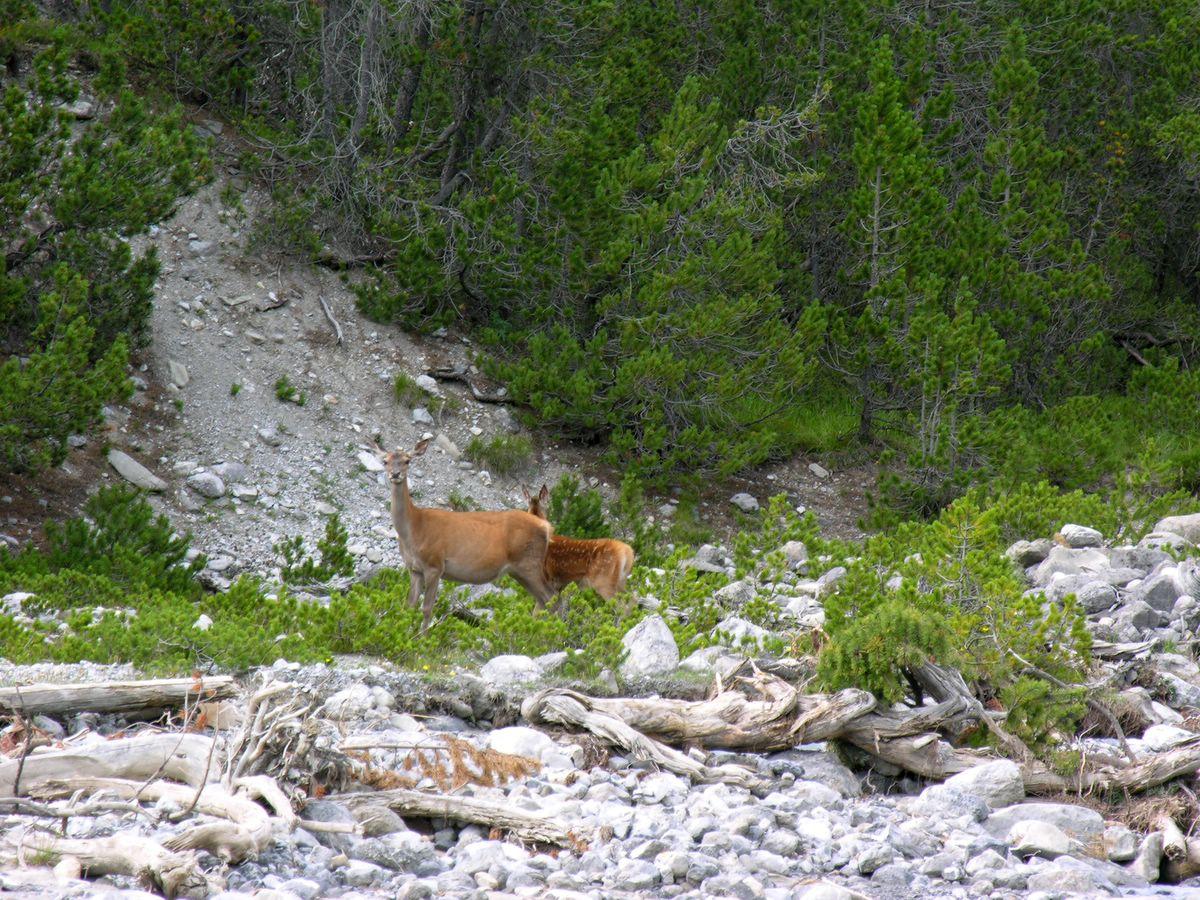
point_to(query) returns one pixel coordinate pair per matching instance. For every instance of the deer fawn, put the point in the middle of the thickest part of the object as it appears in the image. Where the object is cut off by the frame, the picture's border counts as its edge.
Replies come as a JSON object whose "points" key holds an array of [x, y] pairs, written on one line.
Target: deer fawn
{"points": [[603, 564], [469, 547]]}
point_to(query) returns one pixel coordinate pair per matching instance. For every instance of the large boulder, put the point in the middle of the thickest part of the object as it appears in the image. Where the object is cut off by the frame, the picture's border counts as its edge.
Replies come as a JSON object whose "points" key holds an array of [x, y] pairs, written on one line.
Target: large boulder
{"points": [[1079, 822], [1161, 589], [650, 649], [134, 472], [1029, 553], [402, 851], [998, 783], [1066, 561], [1185, 526], [1034, 838], [1078, 536], [510, 671]]}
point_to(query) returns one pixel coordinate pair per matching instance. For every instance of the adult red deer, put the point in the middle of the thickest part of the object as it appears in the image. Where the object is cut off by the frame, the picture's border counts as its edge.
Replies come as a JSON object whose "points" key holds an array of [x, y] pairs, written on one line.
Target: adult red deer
{"points": [[603, 564], [469, 547]]}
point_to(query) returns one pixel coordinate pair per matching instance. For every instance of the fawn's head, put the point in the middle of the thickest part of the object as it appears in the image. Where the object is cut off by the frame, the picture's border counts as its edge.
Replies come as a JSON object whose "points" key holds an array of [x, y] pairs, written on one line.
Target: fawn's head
{"points": [[397, 460], [537, 505]]}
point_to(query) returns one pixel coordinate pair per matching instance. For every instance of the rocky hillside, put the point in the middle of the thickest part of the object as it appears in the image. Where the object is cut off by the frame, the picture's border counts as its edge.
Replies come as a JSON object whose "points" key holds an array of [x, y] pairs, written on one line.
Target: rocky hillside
{"points": [[241, 468]]}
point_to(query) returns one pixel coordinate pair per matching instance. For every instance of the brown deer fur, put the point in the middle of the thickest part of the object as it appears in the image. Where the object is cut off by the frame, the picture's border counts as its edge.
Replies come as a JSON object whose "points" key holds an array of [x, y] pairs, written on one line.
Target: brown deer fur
{"points": [[603, 564], [469, 547]]}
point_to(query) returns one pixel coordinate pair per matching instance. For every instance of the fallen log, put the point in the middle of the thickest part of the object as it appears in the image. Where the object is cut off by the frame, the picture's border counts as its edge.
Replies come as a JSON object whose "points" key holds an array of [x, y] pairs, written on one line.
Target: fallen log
{"points": [[536, 827], [113, 696], [174, 874], [244, 834], [909, 738], [573, 710], [179, 757]]}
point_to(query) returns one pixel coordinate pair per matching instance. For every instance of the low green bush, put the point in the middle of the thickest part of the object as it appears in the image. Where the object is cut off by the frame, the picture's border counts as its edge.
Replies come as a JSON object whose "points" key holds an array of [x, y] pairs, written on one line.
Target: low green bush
{"points": [[503, 454]]}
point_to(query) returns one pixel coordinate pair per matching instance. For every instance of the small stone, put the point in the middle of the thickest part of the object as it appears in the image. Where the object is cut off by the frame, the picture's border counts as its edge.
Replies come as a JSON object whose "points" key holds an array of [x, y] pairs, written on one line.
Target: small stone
{"points": [[1029, 553], [199, 249], [1078, 536], [510, 671], [737, 632], [447, 446], [207, 484], [421, 416], [403, 851], [231, 472], [651, 649], [370, 461], [826, 890], [270, 437], [818, 470], [1187, 527], [178, 373], [795, 553], [426, 383], [745, 502], [134, 472], [1120, 844], [999, 783], [1033, 838], [519, 740], [203, 623]]}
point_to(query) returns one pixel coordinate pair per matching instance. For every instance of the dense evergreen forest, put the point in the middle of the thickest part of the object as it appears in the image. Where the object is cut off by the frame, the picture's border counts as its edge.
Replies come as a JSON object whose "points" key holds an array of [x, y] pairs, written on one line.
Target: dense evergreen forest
{"points": [[704, 233]]}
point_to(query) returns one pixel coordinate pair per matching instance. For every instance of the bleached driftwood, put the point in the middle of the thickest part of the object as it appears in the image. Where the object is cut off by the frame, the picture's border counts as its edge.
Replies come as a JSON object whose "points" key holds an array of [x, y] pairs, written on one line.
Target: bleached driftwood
{"points": [[174, 874], [573, 710], [537, 827], [179, 757], [113, 696], [911, 739], [244, 833]]}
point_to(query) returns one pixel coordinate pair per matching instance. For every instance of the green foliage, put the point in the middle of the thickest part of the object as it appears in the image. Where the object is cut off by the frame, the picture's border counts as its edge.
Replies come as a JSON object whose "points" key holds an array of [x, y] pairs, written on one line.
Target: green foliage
{"points": [[408, 392], [286, 392], [462, 502], [73, 298], [577, 512], [298, 567], [234, 389], [503, 454], [120, 539], [962, 603]]}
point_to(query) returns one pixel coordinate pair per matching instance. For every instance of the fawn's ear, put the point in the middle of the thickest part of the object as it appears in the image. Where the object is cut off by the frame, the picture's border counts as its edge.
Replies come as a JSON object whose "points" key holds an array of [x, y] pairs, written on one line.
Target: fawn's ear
{"points": [[421, 447], [543, 494]]}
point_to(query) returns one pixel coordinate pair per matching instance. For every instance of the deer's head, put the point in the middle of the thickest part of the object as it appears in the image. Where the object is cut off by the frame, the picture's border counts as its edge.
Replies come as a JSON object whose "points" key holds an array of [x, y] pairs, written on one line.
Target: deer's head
{"points": [[397, 460], [537, 505]]}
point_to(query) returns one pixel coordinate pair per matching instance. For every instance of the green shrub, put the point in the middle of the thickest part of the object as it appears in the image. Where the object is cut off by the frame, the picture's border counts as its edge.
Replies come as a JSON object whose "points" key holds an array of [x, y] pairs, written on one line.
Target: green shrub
{"points": [[74, 300], [297, 567], [503, 454], [287, 392], [576, 512], [120, 538]]}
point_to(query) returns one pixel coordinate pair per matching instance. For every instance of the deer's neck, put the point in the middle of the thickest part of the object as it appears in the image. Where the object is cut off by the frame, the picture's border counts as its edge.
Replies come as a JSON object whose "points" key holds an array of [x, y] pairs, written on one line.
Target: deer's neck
{"points": [[403, 510]]}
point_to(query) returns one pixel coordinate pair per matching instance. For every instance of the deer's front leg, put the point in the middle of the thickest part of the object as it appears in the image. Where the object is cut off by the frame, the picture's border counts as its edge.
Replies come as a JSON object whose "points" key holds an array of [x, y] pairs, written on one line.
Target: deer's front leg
{"points": [[432, 579], [416, 584]]}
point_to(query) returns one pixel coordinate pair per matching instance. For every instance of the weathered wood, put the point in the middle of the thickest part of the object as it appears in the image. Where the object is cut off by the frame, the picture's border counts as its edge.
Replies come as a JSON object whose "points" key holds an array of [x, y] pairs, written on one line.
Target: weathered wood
{"points": [[244, 834], [174, 874], [573, 710], [179, 757], [113, 696], [732, 721], [537, 827], [909, 738]]}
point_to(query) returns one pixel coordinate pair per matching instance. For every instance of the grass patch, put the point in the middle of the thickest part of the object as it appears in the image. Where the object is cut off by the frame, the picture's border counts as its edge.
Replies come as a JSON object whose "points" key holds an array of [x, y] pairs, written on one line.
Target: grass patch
{"points": [[287, 392], [503, 454]]}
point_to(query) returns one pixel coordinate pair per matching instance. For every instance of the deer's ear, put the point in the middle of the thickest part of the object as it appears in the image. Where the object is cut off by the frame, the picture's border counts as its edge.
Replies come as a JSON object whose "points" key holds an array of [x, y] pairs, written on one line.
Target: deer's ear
{"points": [[525, 491], [421, 447], [544, 494]]}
